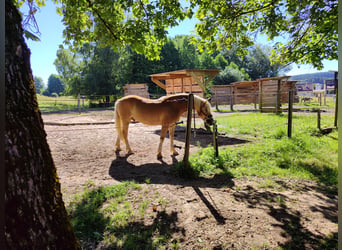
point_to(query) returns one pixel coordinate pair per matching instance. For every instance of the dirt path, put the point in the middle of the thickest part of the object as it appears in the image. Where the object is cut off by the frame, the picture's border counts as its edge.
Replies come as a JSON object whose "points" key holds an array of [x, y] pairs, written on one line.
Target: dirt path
{"points": [[212, 213]]}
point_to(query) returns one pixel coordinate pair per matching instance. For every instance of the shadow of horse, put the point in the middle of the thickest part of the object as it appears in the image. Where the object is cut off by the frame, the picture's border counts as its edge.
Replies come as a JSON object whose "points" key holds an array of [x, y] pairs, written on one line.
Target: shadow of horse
{"points": [[203, 137], [161, 173]]}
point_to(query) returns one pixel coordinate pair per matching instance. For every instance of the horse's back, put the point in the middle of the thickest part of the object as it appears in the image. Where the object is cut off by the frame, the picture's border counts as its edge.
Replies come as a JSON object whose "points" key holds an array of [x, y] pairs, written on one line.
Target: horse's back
{"points": [[151, 112]]}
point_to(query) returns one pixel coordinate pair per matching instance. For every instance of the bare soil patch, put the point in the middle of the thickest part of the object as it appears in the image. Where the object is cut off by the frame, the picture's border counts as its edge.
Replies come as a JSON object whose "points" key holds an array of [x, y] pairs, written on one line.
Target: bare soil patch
{"points": [[212, 213]]}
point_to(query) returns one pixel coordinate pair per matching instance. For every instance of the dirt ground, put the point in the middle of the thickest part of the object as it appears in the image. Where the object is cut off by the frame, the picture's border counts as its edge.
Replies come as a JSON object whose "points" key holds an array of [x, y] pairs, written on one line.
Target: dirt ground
{"points": [[207, 213]]}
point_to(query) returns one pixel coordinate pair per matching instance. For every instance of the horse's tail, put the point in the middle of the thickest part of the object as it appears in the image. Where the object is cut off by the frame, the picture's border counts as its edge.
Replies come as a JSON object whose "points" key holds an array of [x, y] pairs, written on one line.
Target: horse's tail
{"points": [[118, 123]]}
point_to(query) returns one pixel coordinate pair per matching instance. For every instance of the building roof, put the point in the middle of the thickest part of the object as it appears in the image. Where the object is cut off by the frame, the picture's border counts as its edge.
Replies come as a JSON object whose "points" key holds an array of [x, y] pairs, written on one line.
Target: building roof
{"points": [[195, 73]]}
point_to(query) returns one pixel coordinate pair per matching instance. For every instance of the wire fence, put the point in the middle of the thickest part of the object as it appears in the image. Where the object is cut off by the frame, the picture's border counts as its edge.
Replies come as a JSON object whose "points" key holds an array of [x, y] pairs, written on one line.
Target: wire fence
{"points": [[321, 107]]}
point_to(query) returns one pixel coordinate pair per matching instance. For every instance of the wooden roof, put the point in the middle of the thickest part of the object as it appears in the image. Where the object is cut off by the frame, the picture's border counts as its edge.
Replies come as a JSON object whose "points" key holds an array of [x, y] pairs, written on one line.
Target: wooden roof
{"points": [[184, 73], [273, 78], [195, 73]]}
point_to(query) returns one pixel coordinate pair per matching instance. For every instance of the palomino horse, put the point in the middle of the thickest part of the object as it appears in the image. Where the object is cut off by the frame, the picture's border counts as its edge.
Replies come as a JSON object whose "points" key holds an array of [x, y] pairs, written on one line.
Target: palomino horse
{"points": [[164, 111]]}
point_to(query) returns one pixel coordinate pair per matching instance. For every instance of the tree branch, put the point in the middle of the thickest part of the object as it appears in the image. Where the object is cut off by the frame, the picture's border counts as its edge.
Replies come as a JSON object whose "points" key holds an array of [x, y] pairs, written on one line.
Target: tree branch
{"points": [[102, 20]]}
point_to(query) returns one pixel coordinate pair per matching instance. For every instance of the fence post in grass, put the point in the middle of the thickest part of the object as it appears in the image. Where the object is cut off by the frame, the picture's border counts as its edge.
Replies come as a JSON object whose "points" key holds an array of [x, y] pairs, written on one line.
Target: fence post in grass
{"points": [[78, 103], [188, 129], [289, 115], [319, 119], [336, 104], [215, 139]]}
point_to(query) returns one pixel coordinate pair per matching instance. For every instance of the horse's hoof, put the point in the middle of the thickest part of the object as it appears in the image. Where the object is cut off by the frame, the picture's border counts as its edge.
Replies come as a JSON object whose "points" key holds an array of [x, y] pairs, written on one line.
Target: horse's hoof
{"points": [[130, 152], [159, 156], [174, 153]]}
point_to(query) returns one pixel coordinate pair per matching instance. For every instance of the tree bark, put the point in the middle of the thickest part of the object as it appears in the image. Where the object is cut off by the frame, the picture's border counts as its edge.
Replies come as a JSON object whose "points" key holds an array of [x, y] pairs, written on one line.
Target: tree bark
{"points": [[35, 213]]}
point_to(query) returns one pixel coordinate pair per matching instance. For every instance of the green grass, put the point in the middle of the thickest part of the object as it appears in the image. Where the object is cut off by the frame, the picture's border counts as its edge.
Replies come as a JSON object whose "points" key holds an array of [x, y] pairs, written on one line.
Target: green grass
{"points": [[66, 103], [308, 155], [114, 218], [56, 104]]}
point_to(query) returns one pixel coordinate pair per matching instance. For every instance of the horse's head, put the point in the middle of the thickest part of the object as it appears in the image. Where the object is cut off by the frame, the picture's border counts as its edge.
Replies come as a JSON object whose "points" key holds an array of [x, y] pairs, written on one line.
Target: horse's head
{"points": [[203, 109]]}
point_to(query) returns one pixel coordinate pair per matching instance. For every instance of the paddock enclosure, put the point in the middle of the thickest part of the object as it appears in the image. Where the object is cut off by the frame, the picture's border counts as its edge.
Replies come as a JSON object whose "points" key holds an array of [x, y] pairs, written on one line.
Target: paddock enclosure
{"points": [[213, 213]]}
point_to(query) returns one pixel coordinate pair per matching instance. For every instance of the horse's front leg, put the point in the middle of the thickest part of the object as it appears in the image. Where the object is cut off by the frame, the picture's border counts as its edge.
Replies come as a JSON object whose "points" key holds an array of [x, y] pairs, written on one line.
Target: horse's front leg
{"points": [[172, 135], [162, 137]]}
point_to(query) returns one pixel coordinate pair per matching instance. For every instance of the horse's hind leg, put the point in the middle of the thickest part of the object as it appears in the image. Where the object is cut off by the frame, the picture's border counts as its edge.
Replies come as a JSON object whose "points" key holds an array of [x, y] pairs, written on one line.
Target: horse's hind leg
{"points": [[172, 146], [118, 131], [162, 137], [125, 136]]}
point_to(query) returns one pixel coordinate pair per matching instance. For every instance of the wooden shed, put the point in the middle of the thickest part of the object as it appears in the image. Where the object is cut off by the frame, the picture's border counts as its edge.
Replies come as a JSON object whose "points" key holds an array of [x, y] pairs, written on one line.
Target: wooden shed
{"points": [[269, 93], [245, 92], [140, 89], [185, 81], [273, 92]]}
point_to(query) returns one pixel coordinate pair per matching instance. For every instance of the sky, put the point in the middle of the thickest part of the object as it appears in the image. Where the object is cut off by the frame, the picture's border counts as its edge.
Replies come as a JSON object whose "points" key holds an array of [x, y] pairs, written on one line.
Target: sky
{"points": [[43, 53]]}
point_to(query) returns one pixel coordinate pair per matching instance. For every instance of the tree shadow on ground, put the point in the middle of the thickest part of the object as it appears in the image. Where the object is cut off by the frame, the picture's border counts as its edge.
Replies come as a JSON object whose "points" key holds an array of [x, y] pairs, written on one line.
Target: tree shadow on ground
{"points": [[162, 173], [91, 227], [289, 219]]}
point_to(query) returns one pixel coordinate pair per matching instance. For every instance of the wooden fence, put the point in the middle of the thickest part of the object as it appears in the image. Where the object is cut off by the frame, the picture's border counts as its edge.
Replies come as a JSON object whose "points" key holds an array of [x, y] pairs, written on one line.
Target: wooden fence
{"points": [[140, 89], [269, 93]]}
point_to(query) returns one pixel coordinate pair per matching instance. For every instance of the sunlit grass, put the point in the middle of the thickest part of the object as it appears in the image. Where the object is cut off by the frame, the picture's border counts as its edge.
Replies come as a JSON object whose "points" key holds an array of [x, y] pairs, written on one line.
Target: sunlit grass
{"points": [[308, 155], [55, 104]]}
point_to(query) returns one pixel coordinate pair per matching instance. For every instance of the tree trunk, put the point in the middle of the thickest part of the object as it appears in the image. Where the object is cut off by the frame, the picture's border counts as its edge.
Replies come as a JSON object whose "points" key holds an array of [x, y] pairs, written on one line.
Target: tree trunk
{"points": [[35, 213]]}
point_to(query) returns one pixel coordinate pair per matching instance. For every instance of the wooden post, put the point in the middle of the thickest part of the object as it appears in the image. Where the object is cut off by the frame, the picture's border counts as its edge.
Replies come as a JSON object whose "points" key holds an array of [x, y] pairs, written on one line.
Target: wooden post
{"points": [[188, 129], [83, 97], [260, 96], [215, 139], [255, 96], [216, 104], [232, 99], [319, 119], [278, 101], [78, 103], [289, 115], [336, 104]]}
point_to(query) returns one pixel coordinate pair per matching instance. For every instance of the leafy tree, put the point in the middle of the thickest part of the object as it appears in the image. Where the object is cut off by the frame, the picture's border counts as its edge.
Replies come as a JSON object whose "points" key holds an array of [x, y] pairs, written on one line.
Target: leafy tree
{"points": [[220, 62], [169, 58], [310, 38], [141, 24], [55, 85], [188, 53], [39, 83], [120, 70], [206, 61], [69, 67], [230, 74], [98, 73], [258, 63]]}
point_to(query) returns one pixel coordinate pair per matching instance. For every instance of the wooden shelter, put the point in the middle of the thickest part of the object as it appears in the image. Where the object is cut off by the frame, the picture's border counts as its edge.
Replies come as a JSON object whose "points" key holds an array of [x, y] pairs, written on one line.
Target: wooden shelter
{"points": [[274, 91], [269, 93], [245, 92], [140, 89], [185, 81]]}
